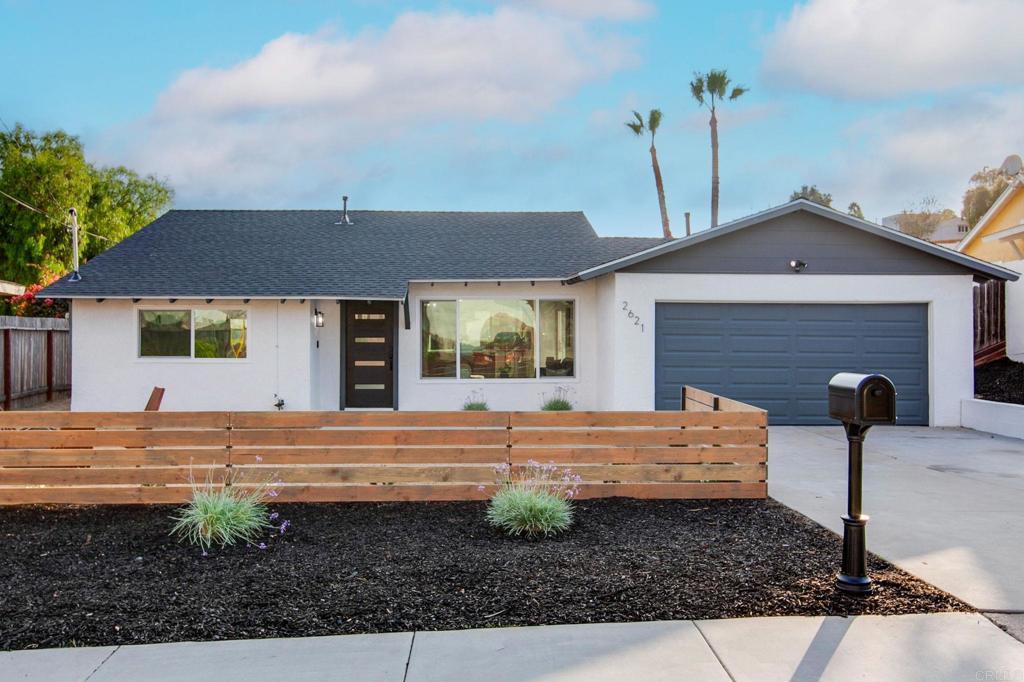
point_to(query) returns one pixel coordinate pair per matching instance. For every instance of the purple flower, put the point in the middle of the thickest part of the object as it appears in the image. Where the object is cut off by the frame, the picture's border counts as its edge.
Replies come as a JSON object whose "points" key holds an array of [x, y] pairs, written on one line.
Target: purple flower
{"points": [[481, 488], [272, 493], [273, 517], [258, 458], [284, 526], [262, 545]]}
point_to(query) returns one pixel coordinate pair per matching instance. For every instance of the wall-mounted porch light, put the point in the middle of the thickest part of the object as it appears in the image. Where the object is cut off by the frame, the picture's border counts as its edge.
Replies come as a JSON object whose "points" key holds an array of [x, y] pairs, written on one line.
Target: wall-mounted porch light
{"points": [[318, 318], [797, 265]]}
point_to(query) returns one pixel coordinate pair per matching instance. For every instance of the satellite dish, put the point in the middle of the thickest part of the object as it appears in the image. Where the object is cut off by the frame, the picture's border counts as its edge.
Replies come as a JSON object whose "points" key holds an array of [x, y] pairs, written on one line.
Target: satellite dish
{"points": [[1012, 165]]}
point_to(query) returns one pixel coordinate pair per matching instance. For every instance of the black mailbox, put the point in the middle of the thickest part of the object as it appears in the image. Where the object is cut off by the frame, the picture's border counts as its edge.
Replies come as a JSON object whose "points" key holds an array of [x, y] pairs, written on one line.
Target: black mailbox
{"points": [[860, 401], [863, 399]]}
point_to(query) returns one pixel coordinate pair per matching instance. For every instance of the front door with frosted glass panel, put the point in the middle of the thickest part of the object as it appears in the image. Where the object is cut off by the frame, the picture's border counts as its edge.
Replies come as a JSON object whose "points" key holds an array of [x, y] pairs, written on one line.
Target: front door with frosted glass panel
{"points": [[369, 354]]}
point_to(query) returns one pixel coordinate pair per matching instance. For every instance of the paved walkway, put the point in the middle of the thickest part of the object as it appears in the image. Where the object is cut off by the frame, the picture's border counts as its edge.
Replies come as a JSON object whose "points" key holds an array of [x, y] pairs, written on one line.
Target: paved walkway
{"points": [[917, 647], [945, 504]]}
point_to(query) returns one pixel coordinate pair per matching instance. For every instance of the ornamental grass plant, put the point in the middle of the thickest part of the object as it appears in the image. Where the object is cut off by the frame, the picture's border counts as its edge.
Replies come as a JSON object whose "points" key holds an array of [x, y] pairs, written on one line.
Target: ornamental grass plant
{"points": [[533, 500]]}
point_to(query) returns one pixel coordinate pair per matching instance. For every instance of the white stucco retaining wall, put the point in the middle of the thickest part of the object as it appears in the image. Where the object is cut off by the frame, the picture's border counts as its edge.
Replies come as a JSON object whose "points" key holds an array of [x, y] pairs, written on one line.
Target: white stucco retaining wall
{"points": [[416, 393], [108, 374], [950, 329], [1004, 419]]}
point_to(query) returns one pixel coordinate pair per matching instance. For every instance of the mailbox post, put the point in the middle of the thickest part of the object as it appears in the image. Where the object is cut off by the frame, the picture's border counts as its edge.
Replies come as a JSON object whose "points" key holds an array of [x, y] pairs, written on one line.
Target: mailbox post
{"points": [[859, 401]]}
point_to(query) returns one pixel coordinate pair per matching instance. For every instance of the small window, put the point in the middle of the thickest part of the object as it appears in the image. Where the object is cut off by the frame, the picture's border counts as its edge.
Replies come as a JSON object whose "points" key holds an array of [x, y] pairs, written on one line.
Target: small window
{"points": [[557, 338], [165, 333], [200, 333], [220, 333], [438, 338]]}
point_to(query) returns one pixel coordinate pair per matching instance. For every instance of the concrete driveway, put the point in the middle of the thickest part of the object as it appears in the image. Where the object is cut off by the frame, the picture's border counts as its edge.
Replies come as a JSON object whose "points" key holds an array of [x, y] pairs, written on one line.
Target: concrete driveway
{"points": [[945, 504]]}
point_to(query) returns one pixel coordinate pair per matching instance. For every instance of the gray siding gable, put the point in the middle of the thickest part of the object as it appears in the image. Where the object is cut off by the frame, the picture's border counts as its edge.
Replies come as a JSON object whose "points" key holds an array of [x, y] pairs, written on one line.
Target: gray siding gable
{"points": [[876, 259], [826, 246]]}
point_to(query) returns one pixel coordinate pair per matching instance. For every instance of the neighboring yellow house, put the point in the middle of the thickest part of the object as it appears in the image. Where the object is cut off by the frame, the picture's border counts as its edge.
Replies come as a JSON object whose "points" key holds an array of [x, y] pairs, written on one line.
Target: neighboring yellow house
{"points": [[999, 237]]}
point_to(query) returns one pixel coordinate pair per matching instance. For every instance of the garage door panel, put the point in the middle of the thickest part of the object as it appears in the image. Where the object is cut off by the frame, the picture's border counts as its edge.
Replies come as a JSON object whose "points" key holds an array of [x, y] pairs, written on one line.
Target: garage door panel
{"points": [[758, 376], [781, 356], [817, 343], [893, 345]]}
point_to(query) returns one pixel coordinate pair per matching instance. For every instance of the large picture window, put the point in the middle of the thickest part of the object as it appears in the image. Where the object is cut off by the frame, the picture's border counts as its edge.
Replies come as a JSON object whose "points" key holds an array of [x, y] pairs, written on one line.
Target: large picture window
{"points": [[497, 338], [198, 333]]}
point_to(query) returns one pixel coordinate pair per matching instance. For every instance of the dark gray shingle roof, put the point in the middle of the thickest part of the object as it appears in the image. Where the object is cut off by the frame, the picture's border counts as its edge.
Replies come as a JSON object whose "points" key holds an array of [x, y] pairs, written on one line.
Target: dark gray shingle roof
{"points": [[305, 253]]}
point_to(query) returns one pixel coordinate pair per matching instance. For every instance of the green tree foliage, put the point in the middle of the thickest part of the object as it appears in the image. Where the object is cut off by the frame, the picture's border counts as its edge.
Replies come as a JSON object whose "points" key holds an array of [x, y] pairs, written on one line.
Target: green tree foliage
{"points": [[923, 221], [812, 193], [855, 210], [49, 172], [985, 187], [709, 90]]}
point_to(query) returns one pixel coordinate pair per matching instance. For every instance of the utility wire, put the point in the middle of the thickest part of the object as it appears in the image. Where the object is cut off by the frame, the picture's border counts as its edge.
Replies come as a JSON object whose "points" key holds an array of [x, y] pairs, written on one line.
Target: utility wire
{"points": [[47, 215]]}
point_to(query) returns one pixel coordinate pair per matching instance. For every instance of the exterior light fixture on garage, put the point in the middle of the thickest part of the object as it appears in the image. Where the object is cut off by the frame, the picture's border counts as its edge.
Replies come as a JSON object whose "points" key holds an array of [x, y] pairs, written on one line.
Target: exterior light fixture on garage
{"points": [[318, 318], [797, 265]]}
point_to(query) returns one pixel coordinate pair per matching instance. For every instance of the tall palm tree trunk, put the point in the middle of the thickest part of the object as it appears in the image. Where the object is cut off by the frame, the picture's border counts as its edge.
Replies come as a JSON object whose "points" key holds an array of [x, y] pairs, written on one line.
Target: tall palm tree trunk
{"points": [[661, 193], [714, 169]]}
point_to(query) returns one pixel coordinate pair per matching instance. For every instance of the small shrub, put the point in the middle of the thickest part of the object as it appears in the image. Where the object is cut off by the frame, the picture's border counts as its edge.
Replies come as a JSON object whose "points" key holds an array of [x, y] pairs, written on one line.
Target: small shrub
{"points": [[559, 402], [229, 515], [222, 516], [533, 500], [476, 402]]}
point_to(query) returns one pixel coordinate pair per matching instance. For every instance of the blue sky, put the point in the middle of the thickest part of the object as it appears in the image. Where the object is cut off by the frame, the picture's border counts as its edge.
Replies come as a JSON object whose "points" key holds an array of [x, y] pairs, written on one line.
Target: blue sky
{"points": [[488, 105]]}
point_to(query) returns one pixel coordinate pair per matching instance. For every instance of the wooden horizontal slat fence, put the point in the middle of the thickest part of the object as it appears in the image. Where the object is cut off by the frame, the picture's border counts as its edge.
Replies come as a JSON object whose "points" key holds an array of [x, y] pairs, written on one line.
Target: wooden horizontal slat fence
{"points": [[148, 457], [35, 360]]}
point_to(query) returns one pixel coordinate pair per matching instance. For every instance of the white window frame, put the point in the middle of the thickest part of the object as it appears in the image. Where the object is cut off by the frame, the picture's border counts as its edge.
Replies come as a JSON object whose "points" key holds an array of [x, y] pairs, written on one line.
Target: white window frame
{"points": [[536, 339], [191, 357]]}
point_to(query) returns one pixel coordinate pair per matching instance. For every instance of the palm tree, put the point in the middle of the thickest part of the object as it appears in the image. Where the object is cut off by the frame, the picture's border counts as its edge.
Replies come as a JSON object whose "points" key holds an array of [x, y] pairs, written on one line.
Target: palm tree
{"points": [[639, 127], [709, 89]]}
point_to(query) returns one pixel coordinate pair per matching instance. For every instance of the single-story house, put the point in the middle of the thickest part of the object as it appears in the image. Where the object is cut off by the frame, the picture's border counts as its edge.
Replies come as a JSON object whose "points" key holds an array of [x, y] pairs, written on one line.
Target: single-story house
{"points": [[248, 310], [998, 236]]}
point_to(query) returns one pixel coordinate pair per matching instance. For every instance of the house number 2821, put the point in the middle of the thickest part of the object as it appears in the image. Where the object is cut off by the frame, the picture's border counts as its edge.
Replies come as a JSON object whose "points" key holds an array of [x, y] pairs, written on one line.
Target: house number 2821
{"points": [[630, 315]]}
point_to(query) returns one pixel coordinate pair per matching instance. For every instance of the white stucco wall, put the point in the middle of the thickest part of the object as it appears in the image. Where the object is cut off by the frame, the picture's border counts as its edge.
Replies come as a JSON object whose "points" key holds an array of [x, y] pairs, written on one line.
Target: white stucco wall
{"points": [[415, 393], [108, 374], [614, 351], [325, 358], [950, 310], [1015, 313]]}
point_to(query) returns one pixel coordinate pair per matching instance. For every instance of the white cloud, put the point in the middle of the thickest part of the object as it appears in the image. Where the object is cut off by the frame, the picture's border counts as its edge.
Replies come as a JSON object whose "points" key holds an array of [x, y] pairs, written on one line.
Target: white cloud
{"points": [[892, 161], [885, 48], [299, 110], [615, 10]]}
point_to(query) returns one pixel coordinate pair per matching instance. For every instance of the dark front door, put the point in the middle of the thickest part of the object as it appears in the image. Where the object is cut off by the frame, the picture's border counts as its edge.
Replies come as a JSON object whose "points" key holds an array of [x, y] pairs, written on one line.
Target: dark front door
{"points": [[370, 354]]}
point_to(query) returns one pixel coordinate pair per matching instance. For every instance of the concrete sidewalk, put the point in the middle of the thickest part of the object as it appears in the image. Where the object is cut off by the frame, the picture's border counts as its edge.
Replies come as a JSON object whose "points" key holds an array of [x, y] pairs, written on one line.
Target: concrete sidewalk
{"points": [[945, 504], [952, 646]]}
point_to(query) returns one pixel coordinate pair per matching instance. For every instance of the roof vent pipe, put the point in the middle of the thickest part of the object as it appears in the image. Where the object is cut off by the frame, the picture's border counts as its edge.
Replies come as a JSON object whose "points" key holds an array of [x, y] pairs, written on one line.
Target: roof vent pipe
{"points": [[344, 212]]}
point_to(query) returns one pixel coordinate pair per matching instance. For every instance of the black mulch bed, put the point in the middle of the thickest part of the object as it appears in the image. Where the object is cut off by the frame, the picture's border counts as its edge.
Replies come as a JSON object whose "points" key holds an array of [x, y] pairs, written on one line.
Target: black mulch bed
{"points": [[1002, 381], [111, 575]]}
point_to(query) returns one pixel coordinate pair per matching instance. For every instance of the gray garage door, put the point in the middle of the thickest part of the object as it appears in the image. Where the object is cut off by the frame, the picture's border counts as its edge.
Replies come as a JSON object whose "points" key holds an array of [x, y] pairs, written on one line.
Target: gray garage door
{"points": [[780, 357]]}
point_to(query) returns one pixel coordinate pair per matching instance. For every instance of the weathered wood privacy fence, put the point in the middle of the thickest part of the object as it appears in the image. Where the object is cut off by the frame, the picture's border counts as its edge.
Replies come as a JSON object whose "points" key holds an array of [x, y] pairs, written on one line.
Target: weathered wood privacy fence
{"points": [[139, 457], [35, 360], [989, 321]]}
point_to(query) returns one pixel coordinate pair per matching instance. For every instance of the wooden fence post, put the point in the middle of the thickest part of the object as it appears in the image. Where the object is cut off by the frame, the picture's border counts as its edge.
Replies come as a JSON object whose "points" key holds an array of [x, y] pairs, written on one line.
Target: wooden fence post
{"points": [[7, 369], [49, 365]]}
